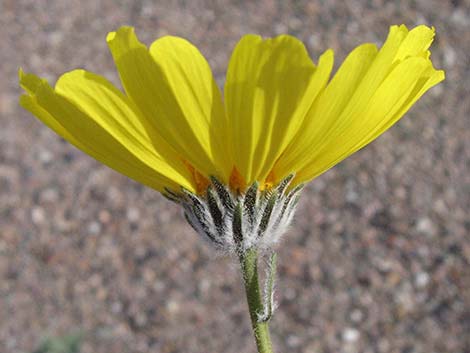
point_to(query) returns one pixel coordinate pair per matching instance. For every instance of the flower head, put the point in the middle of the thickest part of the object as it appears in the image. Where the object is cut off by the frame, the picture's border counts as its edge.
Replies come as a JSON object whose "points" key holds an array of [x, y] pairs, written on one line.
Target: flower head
{"points": [[282, 121]]}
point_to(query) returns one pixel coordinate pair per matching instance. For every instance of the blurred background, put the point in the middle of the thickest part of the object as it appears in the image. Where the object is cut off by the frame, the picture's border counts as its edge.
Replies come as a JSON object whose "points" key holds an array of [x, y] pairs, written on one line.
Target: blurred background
{"points": [[377, 259]]}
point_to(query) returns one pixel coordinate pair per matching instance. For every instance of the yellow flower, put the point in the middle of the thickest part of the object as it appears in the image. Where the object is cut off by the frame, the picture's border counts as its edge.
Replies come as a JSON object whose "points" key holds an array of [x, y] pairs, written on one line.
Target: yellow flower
{"points": [[280, 114]]}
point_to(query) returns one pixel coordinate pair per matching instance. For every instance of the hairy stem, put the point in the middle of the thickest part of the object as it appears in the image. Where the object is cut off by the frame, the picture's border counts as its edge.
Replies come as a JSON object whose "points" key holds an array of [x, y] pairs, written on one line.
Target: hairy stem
{"points": [[249, 266]]}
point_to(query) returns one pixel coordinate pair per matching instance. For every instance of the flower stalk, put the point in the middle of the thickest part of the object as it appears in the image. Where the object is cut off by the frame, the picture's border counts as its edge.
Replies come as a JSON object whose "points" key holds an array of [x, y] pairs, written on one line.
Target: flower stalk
{"points": [[249, 267]]}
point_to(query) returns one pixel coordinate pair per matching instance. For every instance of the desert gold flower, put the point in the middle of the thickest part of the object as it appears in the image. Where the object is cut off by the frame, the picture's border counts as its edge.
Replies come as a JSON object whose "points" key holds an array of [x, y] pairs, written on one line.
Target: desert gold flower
{"points": [[236, 165], [280, 116]]}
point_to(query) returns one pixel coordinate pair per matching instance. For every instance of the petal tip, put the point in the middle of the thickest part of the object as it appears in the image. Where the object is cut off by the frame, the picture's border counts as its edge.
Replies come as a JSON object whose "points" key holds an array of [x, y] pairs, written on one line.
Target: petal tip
{"points": [[441, 75], [29, 82], [124, 30], [254, 38], [70, 75], [110, 37], [328, 54]]}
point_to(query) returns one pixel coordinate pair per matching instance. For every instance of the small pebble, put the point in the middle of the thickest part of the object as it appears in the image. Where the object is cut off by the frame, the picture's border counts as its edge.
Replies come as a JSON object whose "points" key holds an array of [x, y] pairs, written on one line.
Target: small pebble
{"points": [[426, 226], [50, 195], [421, 279], [104, 216], [293, 341], [356, 315], [45, 156], [116, 307], [450, 56], [172, 306], [350, 335], [94, 228], [38, 215], [133, 214]]}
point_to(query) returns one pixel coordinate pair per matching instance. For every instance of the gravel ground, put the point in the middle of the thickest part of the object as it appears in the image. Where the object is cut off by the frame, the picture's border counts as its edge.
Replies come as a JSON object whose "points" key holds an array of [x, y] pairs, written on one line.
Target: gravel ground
{"points": [[377, 259]]}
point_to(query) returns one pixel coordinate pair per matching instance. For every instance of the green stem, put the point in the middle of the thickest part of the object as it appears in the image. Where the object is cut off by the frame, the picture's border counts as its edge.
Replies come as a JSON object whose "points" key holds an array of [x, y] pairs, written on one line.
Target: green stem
{"points": [[249, 266]]}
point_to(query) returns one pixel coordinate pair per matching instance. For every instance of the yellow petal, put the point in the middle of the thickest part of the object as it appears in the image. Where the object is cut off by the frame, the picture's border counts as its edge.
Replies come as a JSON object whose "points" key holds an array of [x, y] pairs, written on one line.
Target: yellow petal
{"points": [[270, 86], [29, 82], [379, 68], [430, 78], [416, 42], [387, 105], [203, 118], [362, 100], [87, 112], [114, 112], [174, 89], [325, 111], [400, 44]]}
